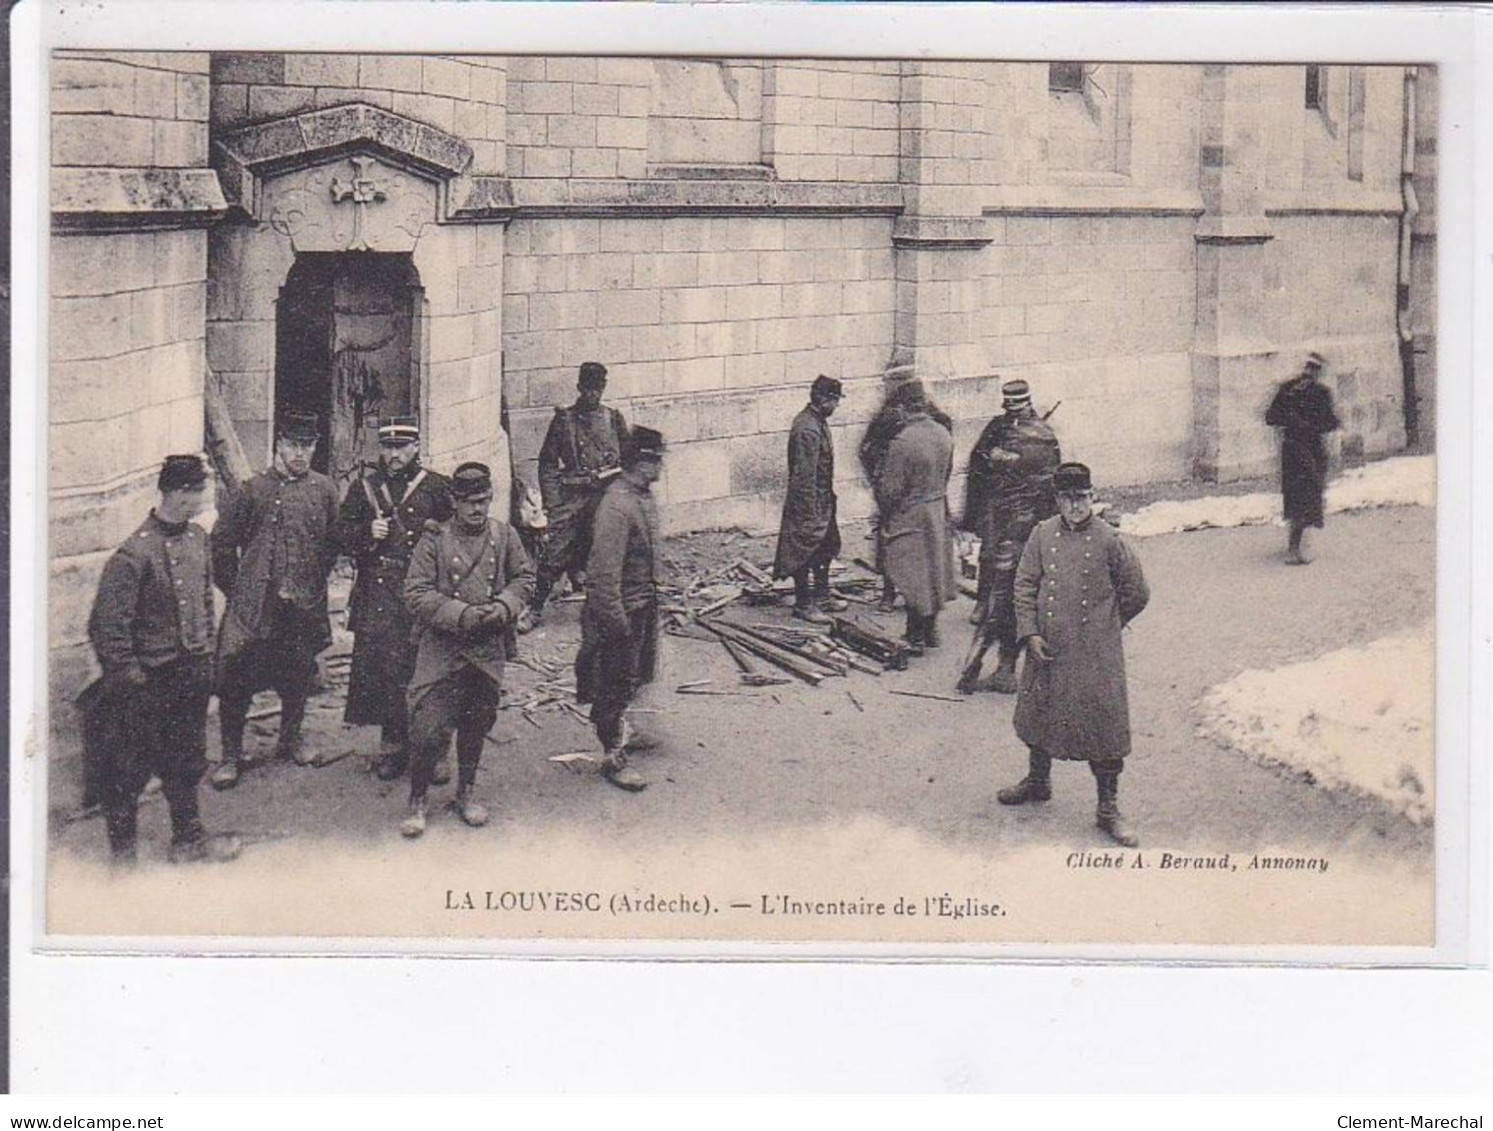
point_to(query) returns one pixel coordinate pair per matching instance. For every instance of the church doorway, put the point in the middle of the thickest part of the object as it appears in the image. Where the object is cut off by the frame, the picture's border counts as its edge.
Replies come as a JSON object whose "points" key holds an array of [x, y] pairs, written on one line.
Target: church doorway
{"points": [[347, 349]]}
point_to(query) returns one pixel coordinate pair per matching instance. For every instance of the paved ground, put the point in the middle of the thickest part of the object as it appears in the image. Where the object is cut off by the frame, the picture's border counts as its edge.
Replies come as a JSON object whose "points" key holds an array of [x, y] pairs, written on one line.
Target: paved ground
{"points": [[795, 756]]}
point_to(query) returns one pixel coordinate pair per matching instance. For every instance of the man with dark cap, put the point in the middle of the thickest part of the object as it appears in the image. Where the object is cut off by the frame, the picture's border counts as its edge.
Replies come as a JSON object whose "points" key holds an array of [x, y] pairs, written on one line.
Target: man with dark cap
{"points": [[1008, 491], [152, 631], [809, 536], [273, 548], [1303, 411], [580, 455], [619, 621], [880, 432], [1078, 585], [911, 497], [467, 585], [382, 518]]}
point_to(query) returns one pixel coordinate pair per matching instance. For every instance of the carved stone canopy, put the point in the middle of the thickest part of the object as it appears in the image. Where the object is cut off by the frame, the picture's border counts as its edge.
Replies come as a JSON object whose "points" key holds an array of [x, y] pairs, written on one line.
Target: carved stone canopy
{"points": [[249, 157]]}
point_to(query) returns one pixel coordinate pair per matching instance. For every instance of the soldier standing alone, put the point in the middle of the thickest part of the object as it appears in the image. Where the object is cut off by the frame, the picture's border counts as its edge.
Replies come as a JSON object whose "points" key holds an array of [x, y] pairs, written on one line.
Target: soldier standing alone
{"points": [[809, 536], [466, 587], [1303, 410], [1079, 584], [272, 551], [580, 455], [152, 630], [382, 519]]}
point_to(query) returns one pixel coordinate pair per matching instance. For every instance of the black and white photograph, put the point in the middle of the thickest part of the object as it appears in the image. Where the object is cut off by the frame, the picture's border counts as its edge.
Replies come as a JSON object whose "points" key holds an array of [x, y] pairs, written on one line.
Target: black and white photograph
{"points": [[899, 502]]}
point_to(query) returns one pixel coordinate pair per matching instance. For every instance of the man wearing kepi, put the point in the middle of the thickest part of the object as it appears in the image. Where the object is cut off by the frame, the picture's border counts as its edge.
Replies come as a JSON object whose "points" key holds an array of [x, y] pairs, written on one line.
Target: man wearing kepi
{"points": [[619, 621], [382, 519], [1302, 409], [1009, 490], [273, 548], [467, 585], [580, 455], [809, 537], [152, 631], [1078, 585], [911, 499]]}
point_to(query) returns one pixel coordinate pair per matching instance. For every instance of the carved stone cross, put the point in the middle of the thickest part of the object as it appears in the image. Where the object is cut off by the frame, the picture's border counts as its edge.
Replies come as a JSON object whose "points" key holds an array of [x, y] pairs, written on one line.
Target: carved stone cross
{"points": [[362, 190]]}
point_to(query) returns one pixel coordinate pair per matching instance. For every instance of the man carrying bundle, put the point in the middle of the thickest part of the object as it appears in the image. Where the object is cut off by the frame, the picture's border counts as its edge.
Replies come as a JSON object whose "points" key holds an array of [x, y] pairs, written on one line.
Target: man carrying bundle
{"points": [[809, 536]]}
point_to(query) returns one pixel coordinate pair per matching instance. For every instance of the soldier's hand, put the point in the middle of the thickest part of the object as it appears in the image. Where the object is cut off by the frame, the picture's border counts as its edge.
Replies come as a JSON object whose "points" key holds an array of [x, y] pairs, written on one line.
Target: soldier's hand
{"points": [[133, 676], [1038, 647], [380, 529], [1000, 455]]}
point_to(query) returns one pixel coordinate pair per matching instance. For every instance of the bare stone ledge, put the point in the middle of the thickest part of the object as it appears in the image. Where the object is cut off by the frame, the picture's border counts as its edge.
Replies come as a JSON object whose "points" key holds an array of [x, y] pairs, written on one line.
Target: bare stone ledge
{"points": [[656, 197], [110, 200]]}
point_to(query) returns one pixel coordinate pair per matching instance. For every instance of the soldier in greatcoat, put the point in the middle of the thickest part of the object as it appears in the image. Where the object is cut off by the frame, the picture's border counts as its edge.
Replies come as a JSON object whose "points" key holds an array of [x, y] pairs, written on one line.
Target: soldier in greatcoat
{"points": [[879, 434], [273, 548], [467, 584], [1303, 411], [619, 621], [580, 455], [152, 631], [1008, 491], [809, 536], [1078, 585], [383, 516], [911, 496]]}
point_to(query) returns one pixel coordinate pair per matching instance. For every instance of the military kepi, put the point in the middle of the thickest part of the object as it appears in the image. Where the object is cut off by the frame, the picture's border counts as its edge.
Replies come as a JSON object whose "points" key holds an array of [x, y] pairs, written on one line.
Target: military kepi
{"points": [[1314, 360], [399, 430], [1016, 394], [181, 473], [298, 426], [826, 387], [470, 480], [1071, 477], [644, 443]]}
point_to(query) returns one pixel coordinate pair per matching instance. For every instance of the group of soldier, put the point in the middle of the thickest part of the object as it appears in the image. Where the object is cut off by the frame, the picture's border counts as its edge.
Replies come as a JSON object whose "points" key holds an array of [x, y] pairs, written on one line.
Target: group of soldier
{"points": [[439, 593], [442, 589]]}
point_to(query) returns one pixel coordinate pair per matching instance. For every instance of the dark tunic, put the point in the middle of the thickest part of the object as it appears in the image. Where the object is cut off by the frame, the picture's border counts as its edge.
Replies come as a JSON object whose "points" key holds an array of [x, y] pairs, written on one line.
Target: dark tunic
{"points": [[912, 498], [1303, 411], [809, 534], [275, 540], [1076, 587], [384, 650], [450, 572], [151, 628], [577, 446], [619, 621]]}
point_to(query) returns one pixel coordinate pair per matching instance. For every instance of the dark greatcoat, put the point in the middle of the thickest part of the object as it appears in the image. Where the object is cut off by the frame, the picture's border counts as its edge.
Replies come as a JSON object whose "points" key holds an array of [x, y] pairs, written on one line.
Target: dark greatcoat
{"points": [[912, 498], [451, 571], [576, 447], [619, 621], [809, 534], [274, 539], [1303, 411], [383, 646], [1076, 587]]}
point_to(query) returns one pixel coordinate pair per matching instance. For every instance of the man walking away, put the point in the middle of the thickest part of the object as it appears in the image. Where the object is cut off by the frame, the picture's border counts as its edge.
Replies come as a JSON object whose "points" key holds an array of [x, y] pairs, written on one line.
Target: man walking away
{"points": [[152, 631], [1009, 490], [912, 500], [272, 550], [466, 587], [1078, 585], [619, 621], [382, 518], [809, 536], [580, 455], [1303, 411]]}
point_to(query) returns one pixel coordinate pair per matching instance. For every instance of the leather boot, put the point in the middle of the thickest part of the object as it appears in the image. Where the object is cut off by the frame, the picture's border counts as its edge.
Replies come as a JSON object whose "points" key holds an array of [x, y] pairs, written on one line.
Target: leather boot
{"points": [[205, 849], [413, 824], [226, 774], [888, 602], [1036, 786], [931, 638], [914, 633], [392, 761], [1108, 816], [614, 768], [1003, 679], [469, 809]]}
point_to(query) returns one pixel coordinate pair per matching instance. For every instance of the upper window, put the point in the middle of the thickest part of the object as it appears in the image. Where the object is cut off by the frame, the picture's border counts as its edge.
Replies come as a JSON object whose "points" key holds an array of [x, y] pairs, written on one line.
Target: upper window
{"points": [[1065, 77]]}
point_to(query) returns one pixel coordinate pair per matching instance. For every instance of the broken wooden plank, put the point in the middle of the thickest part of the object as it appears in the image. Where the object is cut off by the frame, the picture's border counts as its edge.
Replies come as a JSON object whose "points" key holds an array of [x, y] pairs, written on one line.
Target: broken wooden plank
{"points": [[930, 695]]}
